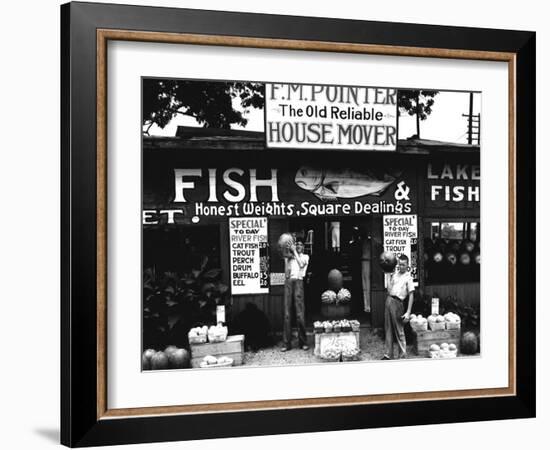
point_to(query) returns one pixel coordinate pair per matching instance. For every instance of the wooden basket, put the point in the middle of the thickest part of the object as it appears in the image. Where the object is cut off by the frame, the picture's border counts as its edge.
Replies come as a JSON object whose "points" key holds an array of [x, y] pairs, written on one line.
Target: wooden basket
{"points": [[197, 339], [416, 327], [452, 325], [440, 354], [203, 365], [217, 338], [436, 326]]}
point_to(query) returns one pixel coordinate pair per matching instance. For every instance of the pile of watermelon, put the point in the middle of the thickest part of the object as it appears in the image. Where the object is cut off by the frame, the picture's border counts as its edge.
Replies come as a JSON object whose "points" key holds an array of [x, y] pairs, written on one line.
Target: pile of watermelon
{"points": [[171, 358]]}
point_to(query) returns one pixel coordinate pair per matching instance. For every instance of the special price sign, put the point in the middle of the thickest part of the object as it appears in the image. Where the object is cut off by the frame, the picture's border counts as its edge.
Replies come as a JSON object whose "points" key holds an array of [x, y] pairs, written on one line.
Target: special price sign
{"points": [[401, 238], [331, 117], [249, 255]]}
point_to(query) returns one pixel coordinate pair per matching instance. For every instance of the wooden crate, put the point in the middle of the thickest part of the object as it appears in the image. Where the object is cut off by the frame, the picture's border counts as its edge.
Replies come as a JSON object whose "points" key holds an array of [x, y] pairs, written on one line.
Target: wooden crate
{"points": [[322, 338], [233, 348], [423, 340]]}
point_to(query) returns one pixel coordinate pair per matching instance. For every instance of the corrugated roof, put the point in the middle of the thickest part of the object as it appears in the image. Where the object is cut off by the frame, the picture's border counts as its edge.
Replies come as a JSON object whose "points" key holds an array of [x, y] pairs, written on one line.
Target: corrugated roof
{"points": [[230, 139]]}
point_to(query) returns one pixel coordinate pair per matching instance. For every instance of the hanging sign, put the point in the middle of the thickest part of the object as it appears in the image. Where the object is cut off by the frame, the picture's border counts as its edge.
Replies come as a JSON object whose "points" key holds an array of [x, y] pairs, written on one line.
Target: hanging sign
{"points": [[330, 117]]}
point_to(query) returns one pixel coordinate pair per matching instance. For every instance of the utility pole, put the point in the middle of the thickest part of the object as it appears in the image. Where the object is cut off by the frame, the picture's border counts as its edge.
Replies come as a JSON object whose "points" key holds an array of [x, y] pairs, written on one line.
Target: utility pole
{"points": [[474, 122], [470, 118]]}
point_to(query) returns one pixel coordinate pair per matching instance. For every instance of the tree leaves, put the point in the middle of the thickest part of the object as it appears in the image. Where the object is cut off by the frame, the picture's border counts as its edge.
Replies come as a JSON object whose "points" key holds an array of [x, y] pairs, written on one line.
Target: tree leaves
{"points": [[210, 103], [416, 102]]}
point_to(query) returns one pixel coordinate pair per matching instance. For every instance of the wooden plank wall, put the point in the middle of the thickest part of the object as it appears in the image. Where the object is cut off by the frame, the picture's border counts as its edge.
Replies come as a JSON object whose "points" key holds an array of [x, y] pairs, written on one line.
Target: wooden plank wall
{"points": [[469, 293]]}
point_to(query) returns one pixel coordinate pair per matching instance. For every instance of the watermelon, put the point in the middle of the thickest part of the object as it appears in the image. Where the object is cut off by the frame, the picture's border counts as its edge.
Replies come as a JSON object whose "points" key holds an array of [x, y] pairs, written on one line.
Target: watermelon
{"points": [[388, 261], [469, 343], [146, 359], [328, 296], [343, 295], [335, 280], [179, 359], [286, 240], [159, 361]]}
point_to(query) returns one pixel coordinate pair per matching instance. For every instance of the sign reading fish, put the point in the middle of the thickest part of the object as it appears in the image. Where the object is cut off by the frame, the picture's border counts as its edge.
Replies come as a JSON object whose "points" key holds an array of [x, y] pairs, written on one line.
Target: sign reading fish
{"points": [[318, 116], [197, 194]]}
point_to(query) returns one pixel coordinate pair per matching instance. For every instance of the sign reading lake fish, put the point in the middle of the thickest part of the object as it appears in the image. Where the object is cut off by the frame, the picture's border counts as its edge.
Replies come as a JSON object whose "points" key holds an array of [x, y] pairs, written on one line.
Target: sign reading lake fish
{"points": [[249, 255], [318, 116]]}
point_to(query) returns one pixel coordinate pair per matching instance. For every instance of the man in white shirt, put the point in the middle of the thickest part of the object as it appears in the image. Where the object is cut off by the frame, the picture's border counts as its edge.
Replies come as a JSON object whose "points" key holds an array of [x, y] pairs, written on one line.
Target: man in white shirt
{"points": [[295, 272], [400, 291]]}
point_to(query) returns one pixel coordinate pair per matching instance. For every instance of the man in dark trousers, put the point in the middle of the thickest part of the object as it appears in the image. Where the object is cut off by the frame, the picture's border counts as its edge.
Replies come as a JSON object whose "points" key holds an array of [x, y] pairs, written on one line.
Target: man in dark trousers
{"points": [[295, 272]]}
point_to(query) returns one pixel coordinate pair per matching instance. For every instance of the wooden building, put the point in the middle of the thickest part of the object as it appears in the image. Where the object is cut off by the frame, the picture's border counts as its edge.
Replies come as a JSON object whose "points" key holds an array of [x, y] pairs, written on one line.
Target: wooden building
{"points": [[196, 182]]}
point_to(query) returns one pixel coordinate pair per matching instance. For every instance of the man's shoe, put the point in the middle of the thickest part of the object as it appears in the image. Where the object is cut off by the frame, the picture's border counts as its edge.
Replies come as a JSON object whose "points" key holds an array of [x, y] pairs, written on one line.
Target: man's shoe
{"points": [[305, 347], [385, 357], [284, 349]]}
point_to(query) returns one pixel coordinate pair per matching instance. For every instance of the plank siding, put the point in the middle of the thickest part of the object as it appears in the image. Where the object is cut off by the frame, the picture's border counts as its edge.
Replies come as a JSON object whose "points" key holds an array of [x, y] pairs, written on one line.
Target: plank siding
{"points": [[270, 304], [469, 293]]}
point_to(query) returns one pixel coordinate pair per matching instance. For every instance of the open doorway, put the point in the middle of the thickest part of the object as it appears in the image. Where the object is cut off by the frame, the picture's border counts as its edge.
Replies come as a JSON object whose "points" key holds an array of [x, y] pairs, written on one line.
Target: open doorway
{"points": [[341, 243]]}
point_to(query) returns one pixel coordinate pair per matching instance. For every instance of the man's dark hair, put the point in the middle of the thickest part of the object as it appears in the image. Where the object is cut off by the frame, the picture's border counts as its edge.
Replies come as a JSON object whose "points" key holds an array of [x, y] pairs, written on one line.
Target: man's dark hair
{"points": [[299, 241], [404, 257]]}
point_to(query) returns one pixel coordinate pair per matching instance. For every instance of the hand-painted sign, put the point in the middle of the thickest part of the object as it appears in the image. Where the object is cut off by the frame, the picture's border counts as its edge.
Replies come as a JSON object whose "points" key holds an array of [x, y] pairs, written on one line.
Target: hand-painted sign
{"points": [[330, 117], [401, 238], [306, 191], [452, 185], [249, 255]]}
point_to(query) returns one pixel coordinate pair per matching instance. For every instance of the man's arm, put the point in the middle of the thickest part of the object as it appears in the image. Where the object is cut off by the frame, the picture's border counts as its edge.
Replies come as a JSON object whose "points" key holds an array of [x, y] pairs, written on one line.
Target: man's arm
{"points": [[301, 261], [410, 305], [407, 314]]}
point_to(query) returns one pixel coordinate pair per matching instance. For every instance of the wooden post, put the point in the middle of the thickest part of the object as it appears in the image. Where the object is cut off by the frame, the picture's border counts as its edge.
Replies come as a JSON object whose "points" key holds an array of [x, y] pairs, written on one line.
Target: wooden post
{"points": [[470, 115]]}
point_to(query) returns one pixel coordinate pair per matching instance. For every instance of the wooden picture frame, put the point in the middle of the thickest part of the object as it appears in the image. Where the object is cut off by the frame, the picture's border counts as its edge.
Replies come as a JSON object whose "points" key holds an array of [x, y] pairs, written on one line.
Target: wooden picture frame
{"points": [[85, 416]]}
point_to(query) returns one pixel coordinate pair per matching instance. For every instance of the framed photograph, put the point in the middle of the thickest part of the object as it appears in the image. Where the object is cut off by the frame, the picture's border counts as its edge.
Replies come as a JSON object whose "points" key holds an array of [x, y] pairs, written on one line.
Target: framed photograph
{"points": [[277, 224]]}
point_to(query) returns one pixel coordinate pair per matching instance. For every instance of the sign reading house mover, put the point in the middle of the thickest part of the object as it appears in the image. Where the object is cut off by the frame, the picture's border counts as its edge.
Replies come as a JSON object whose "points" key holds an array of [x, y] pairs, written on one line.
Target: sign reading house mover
{"points": [[330, 117], [249, 255]]}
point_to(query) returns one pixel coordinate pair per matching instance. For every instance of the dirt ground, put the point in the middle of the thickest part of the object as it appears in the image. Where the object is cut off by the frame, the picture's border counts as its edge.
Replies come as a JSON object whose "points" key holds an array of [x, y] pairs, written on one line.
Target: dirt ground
{"points": [[372, 349]]}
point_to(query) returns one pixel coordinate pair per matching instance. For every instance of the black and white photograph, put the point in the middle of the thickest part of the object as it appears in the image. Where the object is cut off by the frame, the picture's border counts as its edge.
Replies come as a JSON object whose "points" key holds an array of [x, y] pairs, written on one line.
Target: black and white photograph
{"points": [[295, 224]]}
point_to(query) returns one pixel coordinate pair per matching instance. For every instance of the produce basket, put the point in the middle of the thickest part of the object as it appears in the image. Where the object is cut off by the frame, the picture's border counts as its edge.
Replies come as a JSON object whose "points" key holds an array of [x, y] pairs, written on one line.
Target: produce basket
{"points": [[331, 354], [437, 326], [201, 339], [204, 365], [452, 325], [419, 327], [355, 326], [217, 337], [442, 354], [448, 353]]}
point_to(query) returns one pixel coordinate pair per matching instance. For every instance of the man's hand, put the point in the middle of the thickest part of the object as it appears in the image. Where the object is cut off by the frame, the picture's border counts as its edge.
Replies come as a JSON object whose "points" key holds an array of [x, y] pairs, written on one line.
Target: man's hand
{"points": [[406, 317], [292, 247]]}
